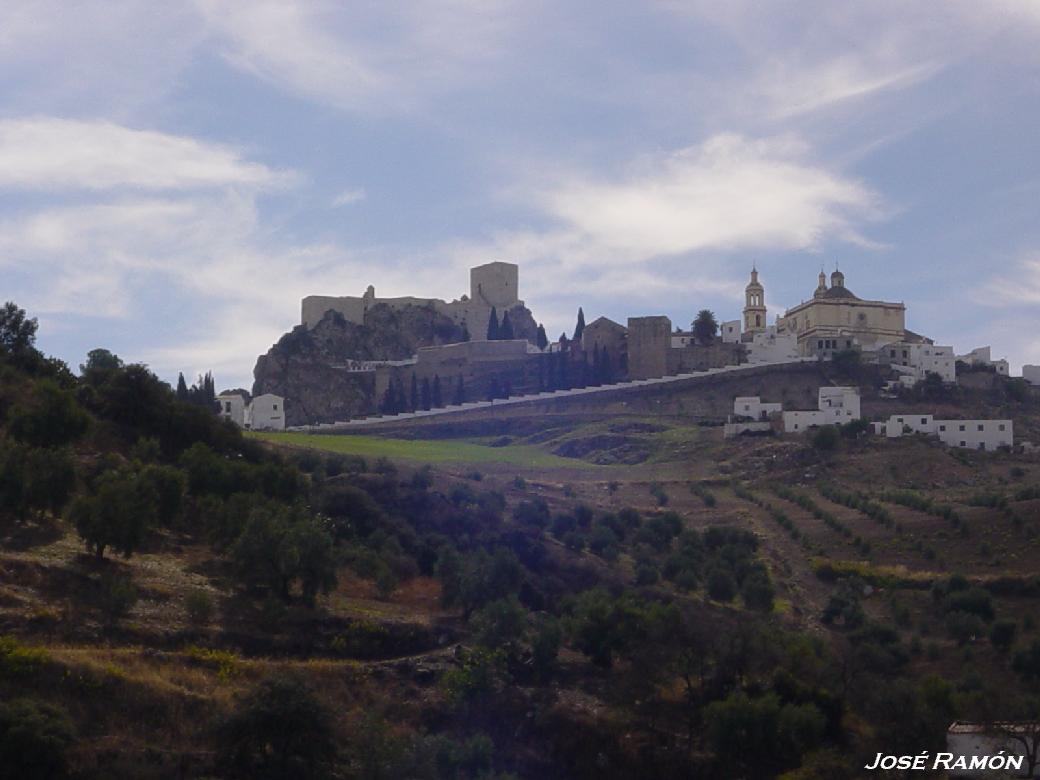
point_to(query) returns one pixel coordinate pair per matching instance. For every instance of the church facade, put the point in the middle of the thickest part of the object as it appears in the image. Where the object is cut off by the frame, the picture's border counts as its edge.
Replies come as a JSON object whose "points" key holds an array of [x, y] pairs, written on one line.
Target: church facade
{"points": [[832, 320]]}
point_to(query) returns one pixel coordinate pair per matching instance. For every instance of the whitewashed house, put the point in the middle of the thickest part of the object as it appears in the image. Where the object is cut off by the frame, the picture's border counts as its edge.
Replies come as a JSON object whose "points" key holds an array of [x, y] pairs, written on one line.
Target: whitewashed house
{"points": [[266, 413], [753, 407], [917, 360], [981, 356], [730, 331], [835, 406], [771, 346], [232, 407], [987, 435]]}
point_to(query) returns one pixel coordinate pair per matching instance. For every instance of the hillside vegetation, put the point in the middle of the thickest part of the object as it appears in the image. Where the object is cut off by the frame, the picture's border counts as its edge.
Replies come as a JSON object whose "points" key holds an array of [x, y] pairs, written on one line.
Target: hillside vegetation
{"points": [[179, 600]]}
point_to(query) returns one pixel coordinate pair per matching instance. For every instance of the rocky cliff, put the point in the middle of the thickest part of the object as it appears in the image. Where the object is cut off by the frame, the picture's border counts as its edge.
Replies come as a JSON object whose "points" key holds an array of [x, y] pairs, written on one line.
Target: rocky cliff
{"points": [[311, 368]]}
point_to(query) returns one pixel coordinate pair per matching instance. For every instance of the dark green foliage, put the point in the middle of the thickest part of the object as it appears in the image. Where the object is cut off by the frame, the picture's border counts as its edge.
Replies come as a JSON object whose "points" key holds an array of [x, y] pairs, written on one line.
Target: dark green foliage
{"points": [[533, 513], [169, 484], [505, 330], [1002, 634], [471, 581], [855, 429], [499, 624], [964, 626], [825, 438], [281, 545], [545, 645], [200, 607], [1026, 663], [17, 334], [118, 595], [757, 591], [34, 480], [974, 601], [34, 738], [493, 328], [541, 339], [278, 730], [52, 418], [755, 733], [117, 514], [847, 360], [579, 327], [721, 585], [705, 326]]}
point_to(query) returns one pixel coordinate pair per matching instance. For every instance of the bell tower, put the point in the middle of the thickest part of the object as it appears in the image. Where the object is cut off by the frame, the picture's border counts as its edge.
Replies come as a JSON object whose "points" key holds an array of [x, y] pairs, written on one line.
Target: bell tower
{"points": [[754, 305]]}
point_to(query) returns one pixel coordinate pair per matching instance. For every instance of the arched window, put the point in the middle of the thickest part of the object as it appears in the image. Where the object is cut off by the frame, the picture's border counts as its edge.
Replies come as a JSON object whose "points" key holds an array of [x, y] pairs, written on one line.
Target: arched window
{"points": [[758, 320]]}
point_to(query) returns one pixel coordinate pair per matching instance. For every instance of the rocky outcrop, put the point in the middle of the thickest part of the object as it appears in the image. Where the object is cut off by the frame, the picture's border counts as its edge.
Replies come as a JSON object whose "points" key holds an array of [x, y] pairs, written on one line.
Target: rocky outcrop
{"points": [[311, 368]]}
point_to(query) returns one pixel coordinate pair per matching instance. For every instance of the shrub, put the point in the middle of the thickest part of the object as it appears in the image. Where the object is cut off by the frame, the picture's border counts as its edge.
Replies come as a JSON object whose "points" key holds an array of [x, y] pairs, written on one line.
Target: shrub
{"points": [[964, 626], [721, 585], [17, 660], [757, 591], [33, 739], [1002, 634], [118, 595], [278, 729], [200, 607], [499, 623], [825, 438], [117, 515]]}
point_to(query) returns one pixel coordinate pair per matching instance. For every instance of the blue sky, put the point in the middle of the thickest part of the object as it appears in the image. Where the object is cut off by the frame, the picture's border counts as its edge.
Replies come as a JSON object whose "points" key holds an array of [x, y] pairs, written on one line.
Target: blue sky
{"points": [[174, 177]]}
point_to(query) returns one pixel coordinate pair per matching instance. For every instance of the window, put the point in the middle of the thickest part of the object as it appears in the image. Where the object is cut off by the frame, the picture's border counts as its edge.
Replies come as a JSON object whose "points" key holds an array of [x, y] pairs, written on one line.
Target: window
{"points": [[227, 407], [892, 353], [819, 344], [982, 427], [275, 407], [1000, 427], [924, 421], [961, 427], [848, 343], [964, 444], [899, 419], [904, 353], [942, 428]]}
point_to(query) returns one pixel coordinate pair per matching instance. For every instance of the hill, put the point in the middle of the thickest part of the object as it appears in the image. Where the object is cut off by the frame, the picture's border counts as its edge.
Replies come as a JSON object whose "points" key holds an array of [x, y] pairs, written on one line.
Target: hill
{"points": [[177, 600]]}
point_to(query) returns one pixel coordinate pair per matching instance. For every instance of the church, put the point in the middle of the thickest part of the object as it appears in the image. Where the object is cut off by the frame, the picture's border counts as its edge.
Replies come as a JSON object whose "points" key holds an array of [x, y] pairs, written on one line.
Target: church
{"points": [[832, 320]]}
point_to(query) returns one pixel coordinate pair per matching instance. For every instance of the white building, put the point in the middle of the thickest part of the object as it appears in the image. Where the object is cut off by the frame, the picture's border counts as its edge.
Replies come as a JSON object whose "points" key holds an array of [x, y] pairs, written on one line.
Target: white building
{"points": [[266, 413], [769, 346], [987, 435], [976, 434], [232, 407], [835, 406], [981, 356], [730, 331], [753, 407], [917, 360]]}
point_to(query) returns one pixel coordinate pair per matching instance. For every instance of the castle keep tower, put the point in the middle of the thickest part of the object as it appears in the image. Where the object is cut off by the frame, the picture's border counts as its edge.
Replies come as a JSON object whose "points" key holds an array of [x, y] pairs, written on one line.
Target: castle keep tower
{"points": [[754, 305], [495, 284]]}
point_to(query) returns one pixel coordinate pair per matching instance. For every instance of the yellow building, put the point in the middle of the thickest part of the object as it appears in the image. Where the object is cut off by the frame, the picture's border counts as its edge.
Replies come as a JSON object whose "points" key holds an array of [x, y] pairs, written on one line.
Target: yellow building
{"points": [[835, 319]]}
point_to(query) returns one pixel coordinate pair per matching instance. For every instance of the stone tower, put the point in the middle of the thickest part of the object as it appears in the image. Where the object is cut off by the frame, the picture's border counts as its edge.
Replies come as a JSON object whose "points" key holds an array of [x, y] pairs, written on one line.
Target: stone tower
{"points": [[495, 284], [754, 305]]}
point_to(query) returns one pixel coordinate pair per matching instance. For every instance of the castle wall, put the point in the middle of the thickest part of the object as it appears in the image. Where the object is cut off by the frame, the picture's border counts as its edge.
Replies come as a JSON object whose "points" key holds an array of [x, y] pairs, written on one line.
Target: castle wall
{"points": [[698, 357], [649, 342]]}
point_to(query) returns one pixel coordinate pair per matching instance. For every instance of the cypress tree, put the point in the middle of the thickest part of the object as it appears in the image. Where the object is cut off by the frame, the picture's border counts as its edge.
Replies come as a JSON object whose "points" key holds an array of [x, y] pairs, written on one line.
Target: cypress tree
{"points": [[492, 331], [505, 330], [438, 400], [580, 327], [182, 388], [541, 339]]}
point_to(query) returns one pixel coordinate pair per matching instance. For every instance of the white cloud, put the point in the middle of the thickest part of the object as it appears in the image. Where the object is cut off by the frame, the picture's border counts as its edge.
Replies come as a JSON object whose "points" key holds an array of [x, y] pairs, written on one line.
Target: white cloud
{"points": [[727, 193], [349, 197], [376, 57], [53, 153]]}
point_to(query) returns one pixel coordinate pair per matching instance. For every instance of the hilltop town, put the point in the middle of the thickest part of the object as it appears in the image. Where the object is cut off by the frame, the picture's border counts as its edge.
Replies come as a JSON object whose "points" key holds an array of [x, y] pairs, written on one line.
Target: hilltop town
{"points": [[360, 360]]}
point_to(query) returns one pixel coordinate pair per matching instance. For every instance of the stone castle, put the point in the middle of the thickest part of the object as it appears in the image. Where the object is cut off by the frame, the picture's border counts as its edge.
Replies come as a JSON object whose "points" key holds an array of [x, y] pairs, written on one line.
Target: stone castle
{"points": [[492, 285], [356, 356]]}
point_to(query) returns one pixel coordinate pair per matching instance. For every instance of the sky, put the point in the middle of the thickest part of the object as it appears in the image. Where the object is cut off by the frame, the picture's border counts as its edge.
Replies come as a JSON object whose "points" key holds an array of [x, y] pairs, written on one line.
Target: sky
{"points": [[176, 176]]}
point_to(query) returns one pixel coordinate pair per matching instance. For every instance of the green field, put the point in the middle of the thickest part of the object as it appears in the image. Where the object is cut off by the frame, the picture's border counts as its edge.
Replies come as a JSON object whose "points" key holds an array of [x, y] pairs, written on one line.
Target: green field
{"points": [[426, 450]]}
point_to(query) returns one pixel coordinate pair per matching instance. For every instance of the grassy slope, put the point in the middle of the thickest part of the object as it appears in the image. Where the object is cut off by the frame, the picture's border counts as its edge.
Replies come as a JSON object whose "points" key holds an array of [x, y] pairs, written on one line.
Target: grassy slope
{"points": [[425, 451]]}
